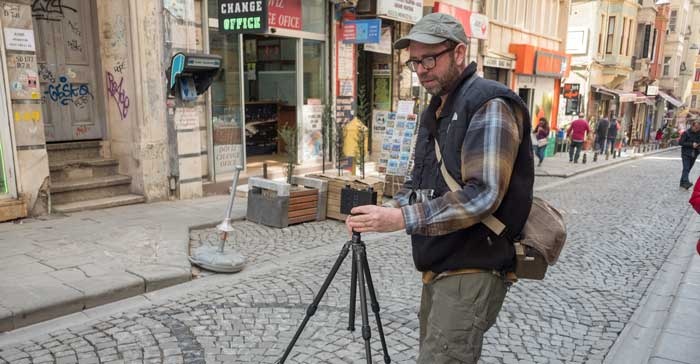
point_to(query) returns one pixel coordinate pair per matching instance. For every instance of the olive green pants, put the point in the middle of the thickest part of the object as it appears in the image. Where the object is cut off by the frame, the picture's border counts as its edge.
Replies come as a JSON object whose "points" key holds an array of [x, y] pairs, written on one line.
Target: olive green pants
{"points": [[455, 312]]}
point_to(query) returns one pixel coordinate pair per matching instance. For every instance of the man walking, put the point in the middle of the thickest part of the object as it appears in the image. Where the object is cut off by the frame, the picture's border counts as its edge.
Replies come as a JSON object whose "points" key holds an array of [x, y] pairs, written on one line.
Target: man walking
{"points": [[601, 134], [480, 130], [577, 132], [612, 134], [690, 142]]}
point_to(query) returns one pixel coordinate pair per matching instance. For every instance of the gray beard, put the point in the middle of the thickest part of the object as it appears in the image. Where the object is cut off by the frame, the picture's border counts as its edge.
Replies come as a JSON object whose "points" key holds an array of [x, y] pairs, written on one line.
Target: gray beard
{"points": [[445, 83]]}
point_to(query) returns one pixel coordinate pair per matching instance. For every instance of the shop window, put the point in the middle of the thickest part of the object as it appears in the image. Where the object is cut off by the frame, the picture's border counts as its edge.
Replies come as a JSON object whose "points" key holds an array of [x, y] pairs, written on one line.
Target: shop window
{"points": [[313, 15], [314, 68]]}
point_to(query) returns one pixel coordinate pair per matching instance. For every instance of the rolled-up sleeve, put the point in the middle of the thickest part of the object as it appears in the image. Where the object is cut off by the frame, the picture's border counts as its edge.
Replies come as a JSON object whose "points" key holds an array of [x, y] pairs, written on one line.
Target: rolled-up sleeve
{"points": [[488, 156]]}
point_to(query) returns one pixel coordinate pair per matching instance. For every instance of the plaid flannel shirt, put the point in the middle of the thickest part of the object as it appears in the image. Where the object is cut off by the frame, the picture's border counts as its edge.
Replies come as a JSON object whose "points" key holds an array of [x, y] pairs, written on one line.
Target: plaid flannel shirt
{"points": [[489, 150]]}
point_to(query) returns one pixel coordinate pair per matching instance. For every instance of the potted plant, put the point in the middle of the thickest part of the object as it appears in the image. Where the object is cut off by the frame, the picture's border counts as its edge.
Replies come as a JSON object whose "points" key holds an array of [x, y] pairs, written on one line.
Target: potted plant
{"points": [[298, 199]]}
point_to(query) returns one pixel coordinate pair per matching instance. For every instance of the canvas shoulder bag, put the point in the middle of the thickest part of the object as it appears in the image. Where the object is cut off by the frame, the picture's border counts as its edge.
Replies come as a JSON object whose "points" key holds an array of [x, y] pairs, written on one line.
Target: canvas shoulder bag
{"points": [[541, 240]]}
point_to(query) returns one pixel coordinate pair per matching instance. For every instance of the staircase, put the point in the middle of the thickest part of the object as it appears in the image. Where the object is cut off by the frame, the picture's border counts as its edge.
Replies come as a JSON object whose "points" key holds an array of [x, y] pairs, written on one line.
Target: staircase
{"points": [[82, 180]]}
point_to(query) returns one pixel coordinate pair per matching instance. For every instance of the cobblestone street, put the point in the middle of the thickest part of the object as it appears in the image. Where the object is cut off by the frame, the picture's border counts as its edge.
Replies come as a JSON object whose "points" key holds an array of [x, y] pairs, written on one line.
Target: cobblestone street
{"points": [[622, 223]]}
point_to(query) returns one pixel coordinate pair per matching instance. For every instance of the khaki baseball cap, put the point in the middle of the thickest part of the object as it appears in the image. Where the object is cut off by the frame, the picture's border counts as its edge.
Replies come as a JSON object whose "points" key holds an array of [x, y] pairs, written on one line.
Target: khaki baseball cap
{"points": [[434, 28]]}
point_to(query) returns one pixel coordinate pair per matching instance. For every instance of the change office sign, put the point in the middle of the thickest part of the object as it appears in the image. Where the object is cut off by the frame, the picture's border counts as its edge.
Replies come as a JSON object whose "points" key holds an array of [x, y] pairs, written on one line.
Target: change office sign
{"points": [[238, 16]]}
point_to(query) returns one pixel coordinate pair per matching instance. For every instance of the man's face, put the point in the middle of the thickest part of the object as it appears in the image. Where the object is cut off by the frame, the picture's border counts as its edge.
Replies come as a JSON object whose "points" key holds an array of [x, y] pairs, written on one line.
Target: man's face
{"points": [[696, 127], [438, 79]]}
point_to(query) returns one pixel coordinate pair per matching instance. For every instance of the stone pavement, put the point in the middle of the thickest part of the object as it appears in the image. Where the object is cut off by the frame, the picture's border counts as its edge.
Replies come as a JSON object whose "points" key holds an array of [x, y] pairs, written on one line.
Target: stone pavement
{"points": [[242, 314], [56, 265]]}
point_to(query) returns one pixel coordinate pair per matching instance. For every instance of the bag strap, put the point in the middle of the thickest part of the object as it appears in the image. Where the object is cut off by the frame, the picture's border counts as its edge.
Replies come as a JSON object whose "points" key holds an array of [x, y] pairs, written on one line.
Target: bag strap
{"points": [[491, 222]]}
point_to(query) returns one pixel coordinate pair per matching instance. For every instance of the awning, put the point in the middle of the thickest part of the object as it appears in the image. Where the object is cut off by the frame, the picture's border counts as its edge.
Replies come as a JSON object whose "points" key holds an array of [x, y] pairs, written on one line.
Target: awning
{"points": [[644, 99], [622, 95], [670, 99]]}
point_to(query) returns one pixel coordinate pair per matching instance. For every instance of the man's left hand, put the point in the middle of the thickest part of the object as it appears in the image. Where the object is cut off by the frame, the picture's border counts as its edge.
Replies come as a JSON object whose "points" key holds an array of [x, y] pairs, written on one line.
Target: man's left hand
{"points": [[375, 218]]}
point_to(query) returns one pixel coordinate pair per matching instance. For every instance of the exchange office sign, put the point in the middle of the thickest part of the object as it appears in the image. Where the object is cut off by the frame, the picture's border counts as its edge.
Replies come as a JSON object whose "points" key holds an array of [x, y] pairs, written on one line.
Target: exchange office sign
{"points": [[238, 16]]}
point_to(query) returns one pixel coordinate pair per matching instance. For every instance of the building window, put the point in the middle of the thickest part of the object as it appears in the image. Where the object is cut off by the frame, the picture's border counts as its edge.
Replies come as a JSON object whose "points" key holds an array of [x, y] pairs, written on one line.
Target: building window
{"points": [[653, 46], [667, 65], [697, 75], [645, 44], [611, 35], [629, 37], [600, 34], [623, 39], [672, 21], [494, 9], [693, 101]]}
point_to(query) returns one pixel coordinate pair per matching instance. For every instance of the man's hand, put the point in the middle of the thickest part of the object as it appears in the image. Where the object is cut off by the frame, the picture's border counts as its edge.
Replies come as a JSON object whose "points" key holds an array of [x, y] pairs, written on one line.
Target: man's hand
{"points": [[375, 218], [695, 145]]}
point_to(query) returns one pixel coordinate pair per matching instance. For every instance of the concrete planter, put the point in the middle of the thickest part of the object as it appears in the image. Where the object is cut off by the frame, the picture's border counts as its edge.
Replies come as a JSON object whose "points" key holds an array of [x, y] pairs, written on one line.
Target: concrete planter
{"points": [[279, 204]]}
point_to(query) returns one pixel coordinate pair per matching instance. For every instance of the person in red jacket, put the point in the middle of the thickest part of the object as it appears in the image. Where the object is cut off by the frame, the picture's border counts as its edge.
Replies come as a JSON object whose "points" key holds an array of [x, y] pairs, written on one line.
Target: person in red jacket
{"points": [[695, 202], [577, 132]]}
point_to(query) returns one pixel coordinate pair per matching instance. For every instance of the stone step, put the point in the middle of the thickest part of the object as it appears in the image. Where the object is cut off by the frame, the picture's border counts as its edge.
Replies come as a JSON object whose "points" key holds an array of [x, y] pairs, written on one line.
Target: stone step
{"points": [[101, 203], [89, 189], [81, 169], [59, 152]]}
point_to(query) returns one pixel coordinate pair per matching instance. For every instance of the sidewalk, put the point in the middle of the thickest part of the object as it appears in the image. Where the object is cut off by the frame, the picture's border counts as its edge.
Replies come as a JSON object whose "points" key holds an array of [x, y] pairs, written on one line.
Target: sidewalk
{"points": [[57, 265]]}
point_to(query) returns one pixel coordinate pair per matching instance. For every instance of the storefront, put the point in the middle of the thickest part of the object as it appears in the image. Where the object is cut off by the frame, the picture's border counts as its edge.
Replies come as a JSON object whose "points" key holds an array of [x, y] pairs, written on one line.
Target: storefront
{"points": [[538, 79], [274, 74]]}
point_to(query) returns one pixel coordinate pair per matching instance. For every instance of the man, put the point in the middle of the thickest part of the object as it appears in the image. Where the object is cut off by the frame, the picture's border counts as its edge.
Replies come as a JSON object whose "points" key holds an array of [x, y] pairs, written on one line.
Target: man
{"points": [[577, 132], [690, 142], [601, 134], [482, 129], [612, 134]]}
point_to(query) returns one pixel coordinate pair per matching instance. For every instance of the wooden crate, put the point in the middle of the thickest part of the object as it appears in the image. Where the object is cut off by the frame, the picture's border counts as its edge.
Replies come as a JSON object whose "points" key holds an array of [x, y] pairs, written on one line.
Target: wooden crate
{"points": [[337, 183], [393, 184], [303, 205]]}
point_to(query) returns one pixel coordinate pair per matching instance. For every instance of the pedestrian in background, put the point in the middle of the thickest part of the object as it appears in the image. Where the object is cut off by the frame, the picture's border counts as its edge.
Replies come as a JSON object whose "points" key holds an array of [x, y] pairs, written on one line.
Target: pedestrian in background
{"points": [[577, 132], [601, 134], [690, 142], [541, 134], [483, 130], [612, 134]]}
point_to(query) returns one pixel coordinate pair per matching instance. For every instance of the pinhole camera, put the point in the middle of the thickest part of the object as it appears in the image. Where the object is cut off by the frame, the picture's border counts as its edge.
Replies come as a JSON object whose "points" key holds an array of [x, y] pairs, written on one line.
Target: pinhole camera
{"points": [[352, 197]]}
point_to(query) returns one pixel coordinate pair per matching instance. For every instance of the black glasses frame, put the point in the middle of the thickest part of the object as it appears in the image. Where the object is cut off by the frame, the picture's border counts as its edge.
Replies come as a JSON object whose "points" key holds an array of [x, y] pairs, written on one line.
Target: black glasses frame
{"points": [[428, 62]]}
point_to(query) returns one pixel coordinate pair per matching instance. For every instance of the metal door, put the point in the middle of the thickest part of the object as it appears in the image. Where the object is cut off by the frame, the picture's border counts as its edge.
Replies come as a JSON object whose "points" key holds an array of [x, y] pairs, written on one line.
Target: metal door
{"points": [[66, 60]]}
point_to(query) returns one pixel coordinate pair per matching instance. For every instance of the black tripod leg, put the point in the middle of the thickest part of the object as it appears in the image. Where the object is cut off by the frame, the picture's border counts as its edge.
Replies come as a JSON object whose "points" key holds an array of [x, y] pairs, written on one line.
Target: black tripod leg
{"points": [[375, 305], [366, 333], [353, 292], [311, 310]]}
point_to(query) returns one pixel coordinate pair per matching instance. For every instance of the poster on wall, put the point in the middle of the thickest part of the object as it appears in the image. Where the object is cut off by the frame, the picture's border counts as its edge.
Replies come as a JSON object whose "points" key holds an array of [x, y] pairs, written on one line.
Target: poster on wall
{"points": [[381, 87], [395, 136], [312, 142], [19, 39], [24, 79], [384, 45]]}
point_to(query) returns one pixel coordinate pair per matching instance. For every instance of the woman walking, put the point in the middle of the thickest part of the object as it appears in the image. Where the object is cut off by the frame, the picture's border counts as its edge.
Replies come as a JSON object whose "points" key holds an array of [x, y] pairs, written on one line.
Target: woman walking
{"points": [[541, 133]]}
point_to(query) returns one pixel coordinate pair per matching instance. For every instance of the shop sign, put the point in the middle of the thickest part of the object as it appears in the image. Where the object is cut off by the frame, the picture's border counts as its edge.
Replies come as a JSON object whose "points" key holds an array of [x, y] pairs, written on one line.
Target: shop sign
{"points": [[227, 157], [384, 45], [19, 39], [571, 90], [239, 16], [652, 90], [475, 24], [362, 31], [285, 14], [498, 63], [550, 64], [408, 11]]}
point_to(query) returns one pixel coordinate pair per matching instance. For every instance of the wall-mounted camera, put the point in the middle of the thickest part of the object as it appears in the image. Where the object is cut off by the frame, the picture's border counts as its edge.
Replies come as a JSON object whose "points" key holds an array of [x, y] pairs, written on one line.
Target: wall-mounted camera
{"points": [[351, 197]]}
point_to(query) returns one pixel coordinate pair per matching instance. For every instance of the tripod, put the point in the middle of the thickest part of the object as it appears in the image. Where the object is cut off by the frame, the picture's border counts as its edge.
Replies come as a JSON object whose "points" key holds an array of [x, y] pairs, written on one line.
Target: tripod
{"points": [[360, 270]]}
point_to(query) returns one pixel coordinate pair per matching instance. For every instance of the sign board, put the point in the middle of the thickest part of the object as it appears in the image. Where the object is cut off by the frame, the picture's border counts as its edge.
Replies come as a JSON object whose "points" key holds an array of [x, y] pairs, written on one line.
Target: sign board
{"points": [[227, 157], [408, 11], [362, 31], [652, 90], [475, 24], [285, 14], [498, 63], [384, 45], [550, 64], [19, 39], [241, 16], [571, 90], [23, 77]]}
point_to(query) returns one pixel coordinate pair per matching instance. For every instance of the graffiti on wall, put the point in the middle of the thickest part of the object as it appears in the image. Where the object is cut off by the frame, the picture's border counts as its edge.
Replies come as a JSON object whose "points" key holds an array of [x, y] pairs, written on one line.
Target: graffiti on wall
{"points": [[50, 10], [118, 93], [65, 93]]}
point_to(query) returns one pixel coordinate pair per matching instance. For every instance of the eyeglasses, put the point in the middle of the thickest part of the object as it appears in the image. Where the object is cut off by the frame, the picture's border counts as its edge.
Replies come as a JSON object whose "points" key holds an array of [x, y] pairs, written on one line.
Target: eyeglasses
{"points": [[427, 62]]}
